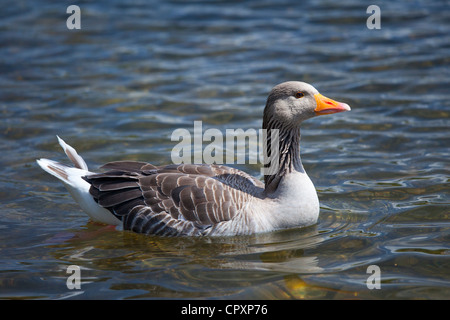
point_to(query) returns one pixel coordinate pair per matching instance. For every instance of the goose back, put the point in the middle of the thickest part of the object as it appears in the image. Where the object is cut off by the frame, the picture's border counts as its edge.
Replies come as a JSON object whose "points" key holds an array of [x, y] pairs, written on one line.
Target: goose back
{"points": [[185, 199]]}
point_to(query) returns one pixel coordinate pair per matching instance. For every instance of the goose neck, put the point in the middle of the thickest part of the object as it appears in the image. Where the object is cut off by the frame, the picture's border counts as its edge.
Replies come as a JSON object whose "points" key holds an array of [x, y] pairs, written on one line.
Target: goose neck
{"points": [[283, 153]]}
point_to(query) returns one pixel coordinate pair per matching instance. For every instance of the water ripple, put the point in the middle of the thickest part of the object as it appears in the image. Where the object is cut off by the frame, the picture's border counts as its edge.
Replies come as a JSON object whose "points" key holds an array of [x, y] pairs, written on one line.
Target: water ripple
{"points": [[137, 71]]}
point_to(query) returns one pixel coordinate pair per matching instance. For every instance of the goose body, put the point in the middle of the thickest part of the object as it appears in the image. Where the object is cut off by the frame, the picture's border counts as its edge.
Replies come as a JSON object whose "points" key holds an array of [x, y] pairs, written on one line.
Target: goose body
{"points": [[200, 199]]}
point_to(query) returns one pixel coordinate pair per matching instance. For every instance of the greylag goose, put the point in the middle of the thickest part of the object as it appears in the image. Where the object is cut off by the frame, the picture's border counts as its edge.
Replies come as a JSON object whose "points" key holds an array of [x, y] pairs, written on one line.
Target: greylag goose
{"points": [[207, 200]]}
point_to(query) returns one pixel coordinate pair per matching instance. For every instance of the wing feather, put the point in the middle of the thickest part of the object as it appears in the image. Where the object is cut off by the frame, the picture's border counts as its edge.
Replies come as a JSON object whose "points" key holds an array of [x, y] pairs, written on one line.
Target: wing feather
{"points": [[181, 199]]}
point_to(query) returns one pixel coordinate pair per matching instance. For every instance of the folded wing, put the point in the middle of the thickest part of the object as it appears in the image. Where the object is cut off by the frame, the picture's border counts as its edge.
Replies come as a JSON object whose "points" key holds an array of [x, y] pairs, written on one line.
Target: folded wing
{"points": [[181, 199]]}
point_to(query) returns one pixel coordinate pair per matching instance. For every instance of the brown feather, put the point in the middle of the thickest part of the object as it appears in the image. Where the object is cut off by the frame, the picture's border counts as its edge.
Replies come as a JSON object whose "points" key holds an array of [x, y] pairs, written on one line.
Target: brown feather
{"points": [[172, 199]]}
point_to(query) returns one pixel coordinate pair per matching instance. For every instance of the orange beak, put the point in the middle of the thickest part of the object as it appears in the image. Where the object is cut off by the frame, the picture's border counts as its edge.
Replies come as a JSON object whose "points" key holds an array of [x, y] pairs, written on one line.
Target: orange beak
{"points": [[327, 106]]}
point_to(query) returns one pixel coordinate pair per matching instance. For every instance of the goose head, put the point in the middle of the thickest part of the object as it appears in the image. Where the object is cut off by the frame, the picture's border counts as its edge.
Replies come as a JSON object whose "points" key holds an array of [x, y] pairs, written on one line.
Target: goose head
{"points": [[290, 103]]}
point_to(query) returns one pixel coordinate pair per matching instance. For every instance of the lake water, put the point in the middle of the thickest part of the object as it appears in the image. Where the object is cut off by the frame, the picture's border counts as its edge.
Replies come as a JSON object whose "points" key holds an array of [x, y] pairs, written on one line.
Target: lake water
{"points": [[117, 88]]}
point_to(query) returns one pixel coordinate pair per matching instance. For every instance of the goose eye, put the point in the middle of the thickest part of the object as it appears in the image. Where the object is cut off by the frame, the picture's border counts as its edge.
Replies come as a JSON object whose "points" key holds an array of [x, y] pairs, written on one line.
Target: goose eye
{"points": [[299, 95]]}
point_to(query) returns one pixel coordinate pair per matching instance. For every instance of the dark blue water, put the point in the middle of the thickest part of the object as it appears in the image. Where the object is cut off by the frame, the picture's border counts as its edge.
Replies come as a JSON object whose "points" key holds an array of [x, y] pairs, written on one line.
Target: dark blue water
{"points": [[117, 88]]}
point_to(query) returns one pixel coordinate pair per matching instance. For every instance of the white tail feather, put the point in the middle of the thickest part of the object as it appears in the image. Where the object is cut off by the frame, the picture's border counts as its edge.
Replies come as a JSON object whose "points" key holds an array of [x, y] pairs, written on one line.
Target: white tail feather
{"points": [[76, 185], [73, 155]]}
